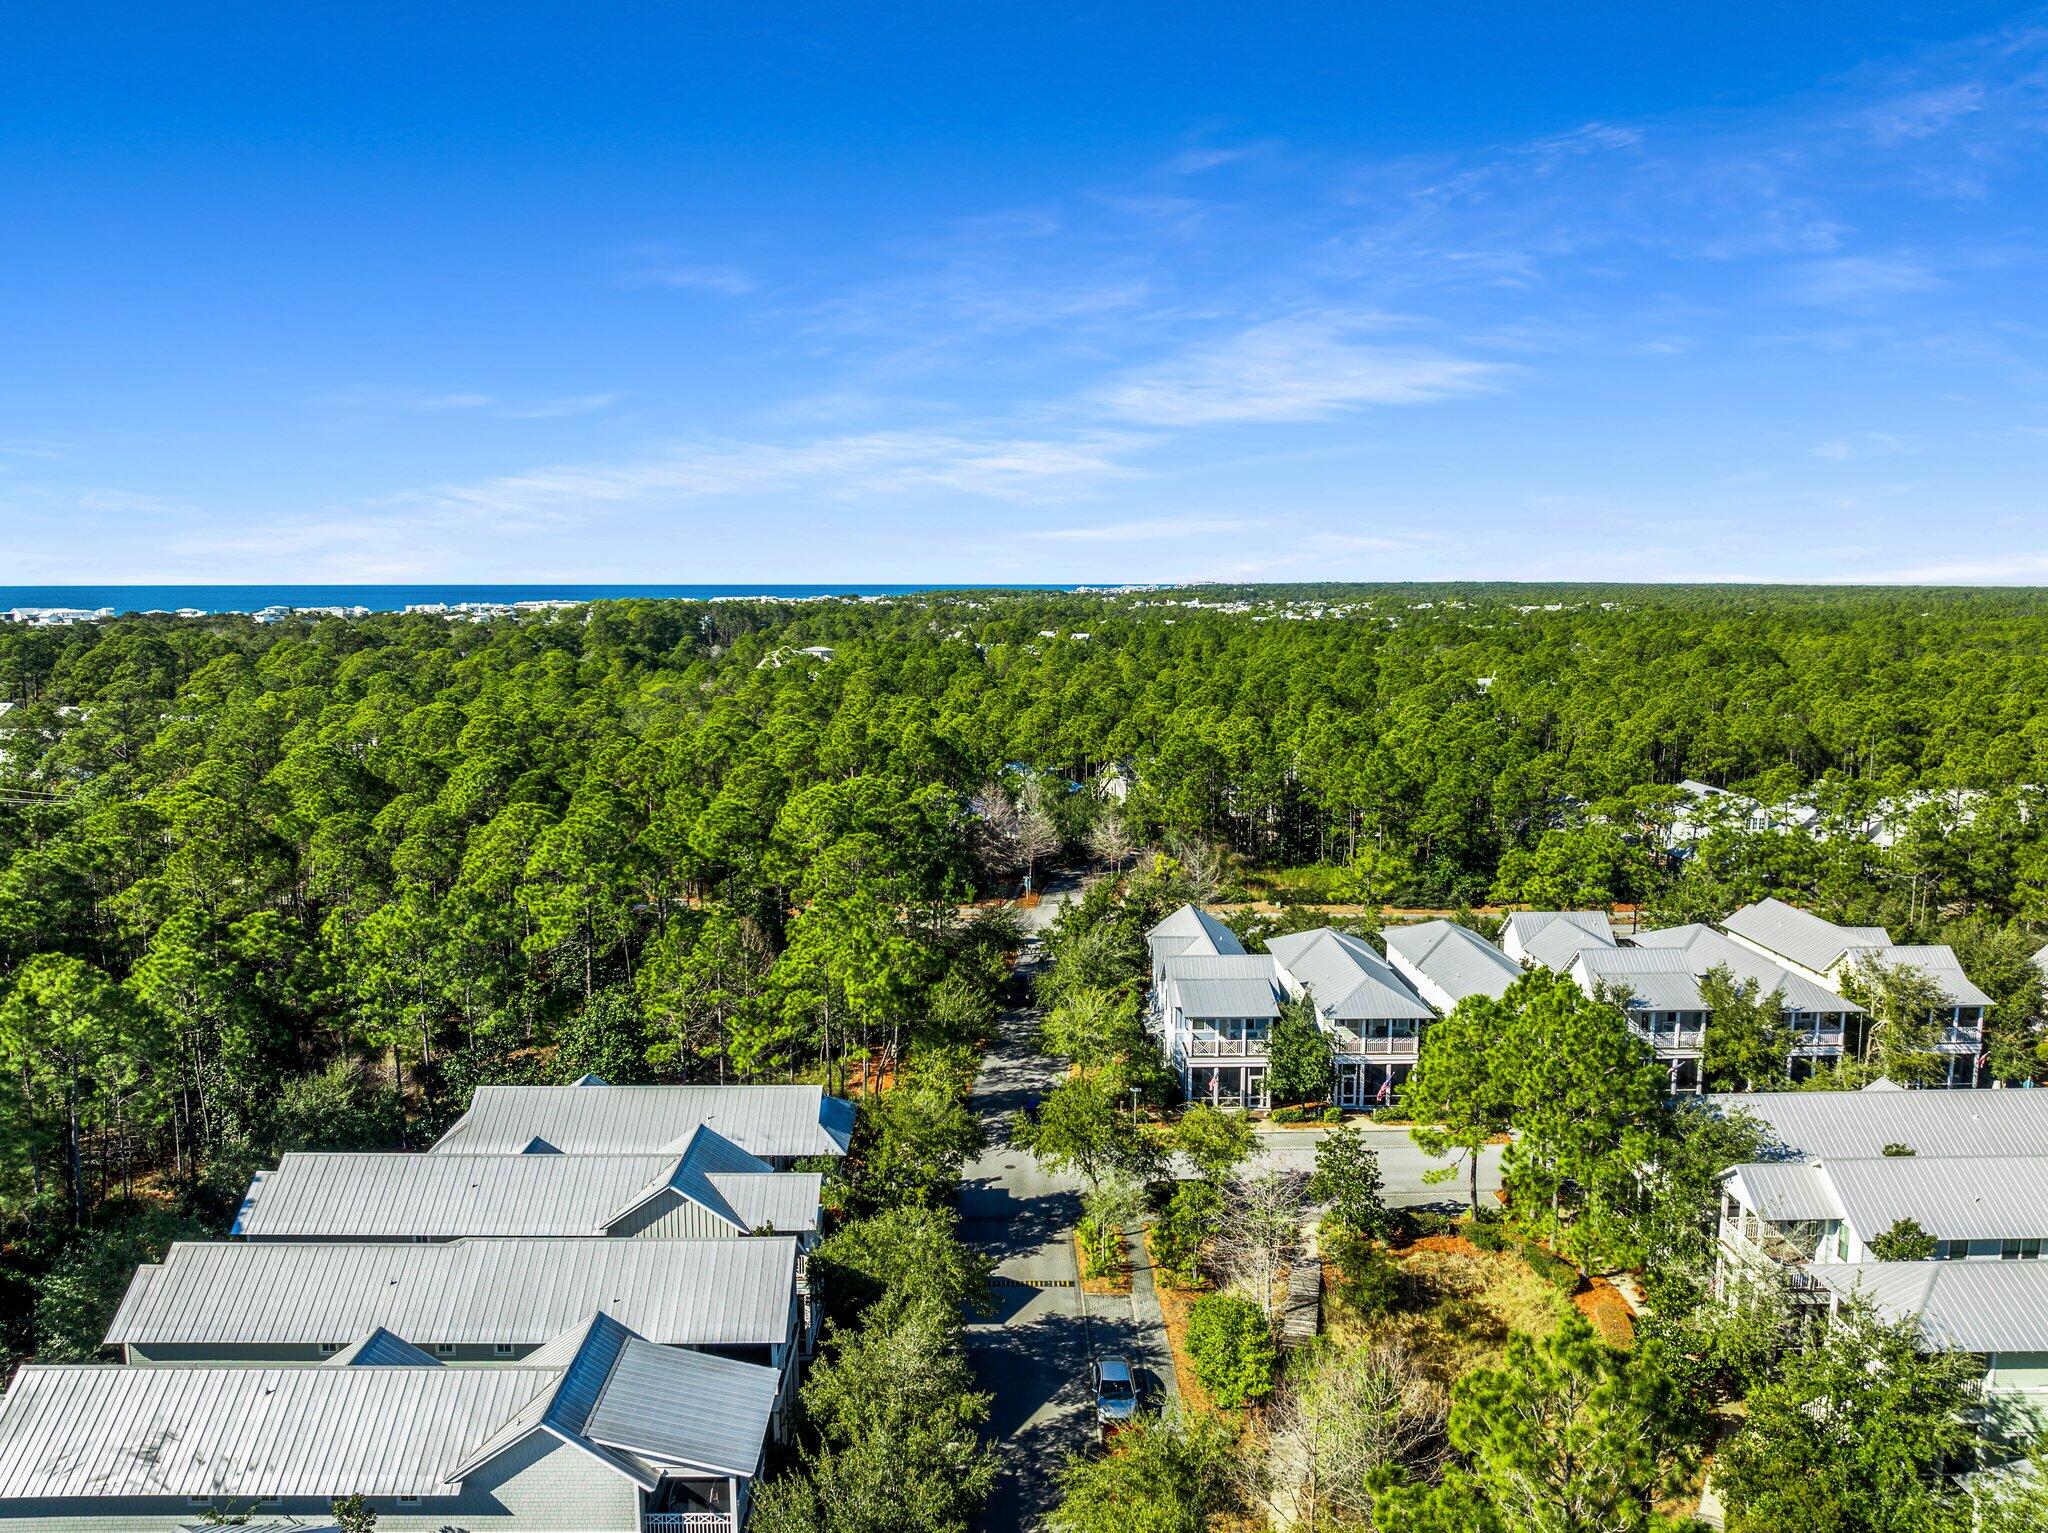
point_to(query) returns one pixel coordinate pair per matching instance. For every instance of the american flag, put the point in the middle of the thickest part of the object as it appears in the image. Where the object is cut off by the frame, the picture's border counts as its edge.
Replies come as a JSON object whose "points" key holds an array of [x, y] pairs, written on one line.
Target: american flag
{"points": [[1386, 1088]]}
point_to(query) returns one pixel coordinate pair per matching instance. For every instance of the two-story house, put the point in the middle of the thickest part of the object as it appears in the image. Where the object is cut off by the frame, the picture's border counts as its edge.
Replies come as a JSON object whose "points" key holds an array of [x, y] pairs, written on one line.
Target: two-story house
{"points": [[1817, 1021], [1373, 1021], [1213, 1013], [1660, 997], [1553, 938], [1444, 962], [1826, 953]]}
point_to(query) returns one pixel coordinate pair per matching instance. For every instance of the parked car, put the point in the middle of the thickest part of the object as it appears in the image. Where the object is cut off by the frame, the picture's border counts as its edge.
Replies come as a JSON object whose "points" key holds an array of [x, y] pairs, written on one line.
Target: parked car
{"points": [[1116, 1393]]}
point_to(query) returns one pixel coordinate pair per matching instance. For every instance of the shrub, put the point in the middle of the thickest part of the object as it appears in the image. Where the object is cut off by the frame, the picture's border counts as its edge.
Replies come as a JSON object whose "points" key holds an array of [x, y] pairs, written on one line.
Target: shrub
{"points": [[1428, 1221], [1232, 1349], [1289, 1114], [1393, 1112], [1369, 1273], [1487, 1234], [1177, 1238], [1905, 1241], [1333, 1114], [1553, 1269]]}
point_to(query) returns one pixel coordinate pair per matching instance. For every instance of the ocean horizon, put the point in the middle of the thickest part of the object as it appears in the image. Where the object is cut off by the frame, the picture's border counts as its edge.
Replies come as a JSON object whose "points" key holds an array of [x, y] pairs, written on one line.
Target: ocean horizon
{"points": [[126, 599]]}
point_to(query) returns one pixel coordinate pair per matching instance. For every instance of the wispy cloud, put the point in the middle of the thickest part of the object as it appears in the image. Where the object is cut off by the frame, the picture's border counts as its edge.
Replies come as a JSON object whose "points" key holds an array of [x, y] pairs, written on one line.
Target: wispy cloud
{"points": [[555, 409], [1156, 529], [711, 277], [1859, 279], [375, 397], [1861, 444], [1289, 370]]}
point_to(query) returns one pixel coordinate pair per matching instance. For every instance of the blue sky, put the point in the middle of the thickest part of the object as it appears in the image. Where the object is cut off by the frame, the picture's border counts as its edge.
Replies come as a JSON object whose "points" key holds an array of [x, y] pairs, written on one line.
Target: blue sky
{"points": [[1044, 292]]}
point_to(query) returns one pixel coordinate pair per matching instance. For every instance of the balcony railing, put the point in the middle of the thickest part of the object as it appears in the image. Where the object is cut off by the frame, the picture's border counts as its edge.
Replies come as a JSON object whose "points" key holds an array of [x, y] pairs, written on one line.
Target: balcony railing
{"points": [[1210, 1048], [1671, 1037], [1825, 1041], [686, 1522], [1959, 1040], [1346, 1047]]}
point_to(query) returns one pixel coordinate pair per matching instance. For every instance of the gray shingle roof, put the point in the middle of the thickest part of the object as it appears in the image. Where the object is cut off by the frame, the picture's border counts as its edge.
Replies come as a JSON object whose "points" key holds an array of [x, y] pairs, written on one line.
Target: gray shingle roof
{"points": [[1969, 1306], [1350, 982], [639, 1120], [1705, 949], [1829, 1124], [462, 1293], [1456, 959], [439, 1195], [1800, 935]]}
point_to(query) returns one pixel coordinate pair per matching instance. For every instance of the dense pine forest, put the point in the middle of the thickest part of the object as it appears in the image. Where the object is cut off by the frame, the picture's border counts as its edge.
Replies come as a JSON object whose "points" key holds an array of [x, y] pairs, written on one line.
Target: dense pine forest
{"points": [[307, 883]]}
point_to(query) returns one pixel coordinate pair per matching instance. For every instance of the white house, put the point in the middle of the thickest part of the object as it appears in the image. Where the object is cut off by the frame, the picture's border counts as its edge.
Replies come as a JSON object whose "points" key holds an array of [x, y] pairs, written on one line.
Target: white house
{"points": [[1660, 997], [591, 1117], [601, 1431], [1213, 1013], [710, 1188], [1444, 962], [1373, 1020], [1817, 1020], [1825, 953], [1552, 938]]}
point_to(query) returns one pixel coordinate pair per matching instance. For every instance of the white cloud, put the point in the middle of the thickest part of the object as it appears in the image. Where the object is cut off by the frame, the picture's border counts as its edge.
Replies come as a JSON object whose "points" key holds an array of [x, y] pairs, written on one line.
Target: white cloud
{"points": [[554, 409], [1288, 370], [1860, 279], [1863, 444], [1164, 527], [730, 281]]}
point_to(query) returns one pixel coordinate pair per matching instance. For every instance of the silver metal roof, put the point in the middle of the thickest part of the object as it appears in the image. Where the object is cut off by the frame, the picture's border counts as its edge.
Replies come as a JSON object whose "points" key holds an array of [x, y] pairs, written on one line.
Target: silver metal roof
{"points": [[1455, 958], [439, 1196], [1193, 924], [1967, 1306], [97, 1432], [1781, 1190], [1800, 935], [1552, 937], [1658, 979], [1950, 1197], [1223, 985], [684, 1407], [1706, 949], [1350, 982], [463, 1293], [1940, 964], [637, 1120], [1829, 1124]]}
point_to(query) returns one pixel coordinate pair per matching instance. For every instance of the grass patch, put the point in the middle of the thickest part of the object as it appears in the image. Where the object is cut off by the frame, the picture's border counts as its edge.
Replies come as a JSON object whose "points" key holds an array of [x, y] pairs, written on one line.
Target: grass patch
{"points": [[1458, 1305]]}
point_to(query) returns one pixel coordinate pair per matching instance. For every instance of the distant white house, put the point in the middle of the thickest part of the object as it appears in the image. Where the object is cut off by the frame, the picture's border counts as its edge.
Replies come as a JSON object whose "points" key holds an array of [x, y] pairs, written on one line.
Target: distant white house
{"points": [[1817, 1021], [601, 1431]]}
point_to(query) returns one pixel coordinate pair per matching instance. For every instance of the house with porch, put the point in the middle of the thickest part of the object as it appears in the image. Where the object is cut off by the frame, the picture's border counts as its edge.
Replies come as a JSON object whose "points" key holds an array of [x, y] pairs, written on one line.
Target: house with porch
{"points": [[1818, 1022], [601, 1431], [709, 1188], [1825, 953], [1372, 1019], [1659, 996], [468, 1301], [1213, 1014]]}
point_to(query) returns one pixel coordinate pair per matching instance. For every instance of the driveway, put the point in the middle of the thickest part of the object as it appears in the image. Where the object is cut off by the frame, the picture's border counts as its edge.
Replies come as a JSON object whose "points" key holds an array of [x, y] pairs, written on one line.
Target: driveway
{"points": [[1033, 1352]]}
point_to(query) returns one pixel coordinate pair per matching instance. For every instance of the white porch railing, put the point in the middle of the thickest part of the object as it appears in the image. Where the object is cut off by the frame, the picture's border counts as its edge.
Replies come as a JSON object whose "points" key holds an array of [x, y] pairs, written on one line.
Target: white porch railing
{"points": [[1375, 1048], [1213, 1048], [693, 1522]]}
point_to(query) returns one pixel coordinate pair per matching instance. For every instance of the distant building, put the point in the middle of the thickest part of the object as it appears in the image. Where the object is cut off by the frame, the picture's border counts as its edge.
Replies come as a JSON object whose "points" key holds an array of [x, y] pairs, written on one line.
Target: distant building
{"points": [[1444, 962], [1553, 938]]}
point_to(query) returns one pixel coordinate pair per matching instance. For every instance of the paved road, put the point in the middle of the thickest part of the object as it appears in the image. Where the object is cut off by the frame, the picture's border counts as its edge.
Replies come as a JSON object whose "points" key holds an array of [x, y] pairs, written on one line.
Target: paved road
{"points": [[1033, 1352], [1402, 1165]]}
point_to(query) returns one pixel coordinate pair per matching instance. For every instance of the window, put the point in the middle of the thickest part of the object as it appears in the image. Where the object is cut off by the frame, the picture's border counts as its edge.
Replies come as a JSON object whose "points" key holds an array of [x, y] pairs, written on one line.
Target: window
{"points": [[329, 1348], [2026, 1250], [408, 1500], [444, 1349], [504, 1349]]}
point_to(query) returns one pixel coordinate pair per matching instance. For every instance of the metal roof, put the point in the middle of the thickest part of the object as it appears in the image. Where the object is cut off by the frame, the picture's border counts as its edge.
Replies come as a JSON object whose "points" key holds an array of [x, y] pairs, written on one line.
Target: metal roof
{"points": [[684, 1407], [462, 1293], [1968, 1306], [1777, 1190], [97, 1432], [1800, 935], [638, 1120], [1551, 937], [381, 1349], [1940, 964], [1828, 1124], [1657, 979], [1223, 985], [1959, 1197], [393, 1195], [1455, 958], [1706, 949], [1350, 982], [1193, 924]]}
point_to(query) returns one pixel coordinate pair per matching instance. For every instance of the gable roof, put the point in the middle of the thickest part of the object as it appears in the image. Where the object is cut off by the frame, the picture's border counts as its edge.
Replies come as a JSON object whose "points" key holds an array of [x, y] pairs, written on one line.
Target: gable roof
{"points": [[1657, 979], [469, 1292], [98, 1431], [1455, 958], [1552, 937], [1955, 1197], [1350, 982], [1191, 923], [1223, 984], [381, 1349], [395, 1195], [602, 1119], [1975, 1306], [706, 1158], [1829, 1124], [1705, 949], [1940, 964], [1800, 935]]}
